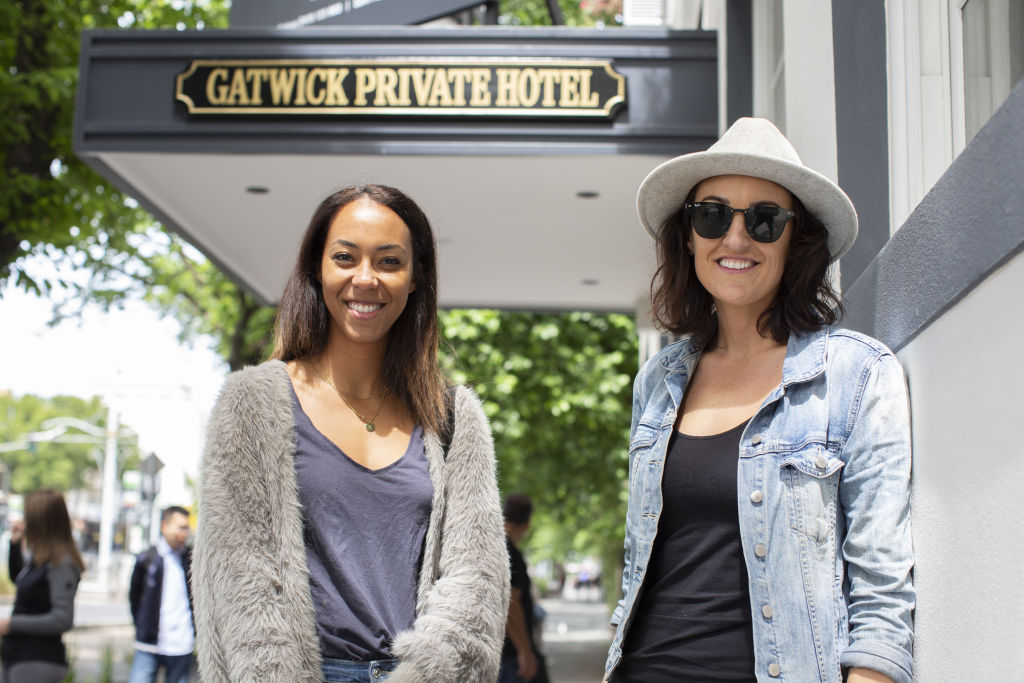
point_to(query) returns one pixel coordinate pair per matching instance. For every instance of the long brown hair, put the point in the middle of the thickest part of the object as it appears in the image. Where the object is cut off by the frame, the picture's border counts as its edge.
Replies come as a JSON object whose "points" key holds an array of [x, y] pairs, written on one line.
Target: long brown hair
{"points": [[48, 529], [804, 303], [411, 370]]}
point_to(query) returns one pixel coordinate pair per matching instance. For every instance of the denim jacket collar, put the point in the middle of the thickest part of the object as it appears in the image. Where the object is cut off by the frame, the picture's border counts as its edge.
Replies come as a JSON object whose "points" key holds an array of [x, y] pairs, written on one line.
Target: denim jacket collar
{"points": [[805, 356]]}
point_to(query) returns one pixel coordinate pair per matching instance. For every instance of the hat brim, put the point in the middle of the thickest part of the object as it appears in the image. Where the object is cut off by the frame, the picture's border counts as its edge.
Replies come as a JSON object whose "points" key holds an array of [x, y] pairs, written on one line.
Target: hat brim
{"points": [[665, 189]]}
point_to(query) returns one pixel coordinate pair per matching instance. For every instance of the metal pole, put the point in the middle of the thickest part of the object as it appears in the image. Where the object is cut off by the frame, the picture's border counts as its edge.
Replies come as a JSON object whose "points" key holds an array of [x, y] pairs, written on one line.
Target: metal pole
{"points": [[108, 505]]}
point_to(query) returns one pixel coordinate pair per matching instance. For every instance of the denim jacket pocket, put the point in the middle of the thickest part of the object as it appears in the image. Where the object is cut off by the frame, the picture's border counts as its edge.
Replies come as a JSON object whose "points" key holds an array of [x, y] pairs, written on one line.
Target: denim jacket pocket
{"points": [[644, 438], [811, 479]]}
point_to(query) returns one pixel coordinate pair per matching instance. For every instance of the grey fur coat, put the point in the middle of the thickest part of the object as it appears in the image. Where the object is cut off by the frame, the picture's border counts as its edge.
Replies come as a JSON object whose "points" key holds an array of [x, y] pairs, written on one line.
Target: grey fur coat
{"points": [[253, 611]]}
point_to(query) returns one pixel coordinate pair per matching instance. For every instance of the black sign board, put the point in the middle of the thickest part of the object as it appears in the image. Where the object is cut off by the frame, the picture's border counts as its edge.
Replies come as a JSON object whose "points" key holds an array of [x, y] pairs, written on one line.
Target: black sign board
{"points": [[429, 86], [299, 13]]}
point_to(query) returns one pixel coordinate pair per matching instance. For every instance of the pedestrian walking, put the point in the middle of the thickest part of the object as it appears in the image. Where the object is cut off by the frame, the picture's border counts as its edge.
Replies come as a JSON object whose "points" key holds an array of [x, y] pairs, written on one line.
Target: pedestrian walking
{"points": [[46, 581], [349, 523], [521, 660], [161, 603], [768, 523]]}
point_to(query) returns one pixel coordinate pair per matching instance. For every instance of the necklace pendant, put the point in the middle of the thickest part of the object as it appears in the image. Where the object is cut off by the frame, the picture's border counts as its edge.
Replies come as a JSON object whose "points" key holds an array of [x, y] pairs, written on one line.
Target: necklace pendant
{"points": [[370, 427]]}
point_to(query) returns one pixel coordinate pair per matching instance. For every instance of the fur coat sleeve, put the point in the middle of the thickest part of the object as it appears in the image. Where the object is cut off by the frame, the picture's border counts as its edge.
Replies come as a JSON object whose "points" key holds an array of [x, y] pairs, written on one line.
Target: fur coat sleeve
{"points": [[253, 611], [464, 581]]}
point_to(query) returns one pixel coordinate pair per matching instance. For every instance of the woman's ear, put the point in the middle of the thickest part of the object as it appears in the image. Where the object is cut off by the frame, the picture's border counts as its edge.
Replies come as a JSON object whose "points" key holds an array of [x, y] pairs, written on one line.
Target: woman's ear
{"points": [[689, 245]]}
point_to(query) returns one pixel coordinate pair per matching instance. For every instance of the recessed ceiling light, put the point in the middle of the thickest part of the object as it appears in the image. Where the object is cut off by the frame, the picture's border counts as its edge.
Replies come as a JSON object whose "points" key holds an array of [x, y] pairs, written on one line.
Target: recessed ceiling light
{"points": [[588, 194], [257, 189], [590, 281]]}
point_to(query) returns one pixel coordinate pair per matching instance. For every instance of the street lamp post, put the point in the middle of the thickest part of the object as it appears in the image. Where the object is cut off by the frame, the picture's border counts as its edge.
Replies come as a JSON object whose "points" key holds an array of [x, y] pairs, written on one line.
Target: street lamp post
{"points": [[108, 504]]}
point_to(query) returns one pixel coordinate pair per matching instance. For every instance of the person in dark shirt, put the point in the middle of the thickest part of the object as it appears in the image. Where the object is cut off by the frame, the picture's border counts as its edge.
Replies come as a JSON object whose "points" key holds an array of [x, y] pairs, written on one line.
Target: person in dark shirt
{"points": [[519, 655], [46, 581]]}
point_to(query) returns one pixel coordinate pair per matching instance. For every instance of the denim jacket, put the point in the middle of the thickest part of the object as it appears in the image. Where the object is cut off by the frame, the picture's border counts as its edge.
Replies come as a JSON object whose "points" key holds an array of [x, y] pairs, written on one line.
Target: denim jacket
{"points": [[824, 506]]}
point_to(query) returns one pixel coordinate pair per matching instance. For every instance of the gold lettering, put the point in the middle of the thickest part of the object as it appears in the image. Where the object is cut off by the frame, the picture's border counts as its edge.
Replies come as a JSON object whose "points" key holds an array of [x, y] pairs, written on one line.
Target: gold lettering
{"points": [[256, 77], [588, 99], [421, 79], [313, 95], [366, 82], [481, 91], [335, 92], [300, 87], [570, 89], [237, 95], [282, 82], [549, 77], [403, 87], [529, 87], [458, 78], [507, 88], [439, 93], [215, 93], [387, 79]]}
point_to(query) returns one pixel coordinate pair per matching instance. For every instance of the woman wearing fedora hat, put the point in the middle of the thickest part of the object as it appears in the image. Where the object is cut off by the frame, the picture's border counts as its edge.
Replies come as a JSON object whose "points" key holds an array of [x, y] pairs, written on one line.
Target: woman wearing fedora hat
{"points": [[768, 525]]}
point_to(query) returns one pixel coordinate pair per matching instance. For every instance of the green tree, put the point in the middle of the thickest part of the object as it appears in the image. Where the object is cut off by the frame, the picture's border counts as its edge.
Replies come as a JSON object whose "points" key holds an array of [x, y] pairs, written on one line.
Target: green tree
{"points": [[52, 203], [571, 12], [64, 466], [557, 390]]}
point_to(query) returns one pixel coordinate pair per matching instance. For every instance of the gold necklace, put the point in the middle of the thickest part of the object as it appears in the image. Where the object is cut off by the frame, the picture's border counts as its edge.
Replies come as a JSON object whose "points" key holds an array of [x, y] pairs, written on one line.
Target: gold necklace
{"points": [[369, 424]]}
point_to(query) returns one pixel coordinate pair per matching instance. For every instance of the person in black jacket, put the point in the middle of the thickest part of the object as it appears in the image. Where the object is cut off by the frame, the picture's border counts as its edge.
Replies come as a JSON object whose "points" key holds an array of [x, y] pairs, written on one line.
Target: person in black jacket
{"points": [[44, 604], [161, 600]]}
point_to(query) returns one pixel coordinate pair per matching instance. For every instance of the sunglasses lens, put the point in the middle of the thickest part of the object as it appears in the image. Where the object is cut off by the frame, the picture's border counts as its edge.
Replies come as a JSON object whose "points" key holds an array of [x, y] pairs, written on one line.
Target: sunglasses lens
{"points": [[710, 220], [766, 223]]}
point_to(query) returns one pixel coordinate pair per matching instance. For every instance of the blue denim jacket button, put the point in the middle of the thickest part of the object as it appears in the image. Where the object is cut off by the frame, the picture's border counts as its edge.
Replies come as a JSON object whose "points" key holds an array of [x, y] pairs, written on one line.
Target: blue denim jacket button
{"points": [[756, 439], [756, 497], [767, 611], [760, 550], [820, 462], [774, 670]]}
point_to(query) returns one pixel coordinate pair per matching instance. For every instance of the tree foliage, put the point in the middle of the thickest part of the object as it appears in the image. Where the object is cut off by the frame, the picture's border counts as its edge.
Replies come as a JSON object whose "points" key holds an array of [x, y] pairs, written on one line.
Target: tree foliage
{"points": [[64, 466], [51, 203], [573, 12], [557, 390]]}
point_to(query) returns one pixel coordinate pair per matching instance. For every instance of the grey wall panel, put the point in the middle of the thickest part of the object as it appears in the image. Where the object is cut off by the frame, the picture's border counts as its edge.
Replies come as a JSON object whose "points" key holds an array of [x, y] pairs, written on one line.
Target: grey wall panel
{"points": [[858, 40], [967, 226]]}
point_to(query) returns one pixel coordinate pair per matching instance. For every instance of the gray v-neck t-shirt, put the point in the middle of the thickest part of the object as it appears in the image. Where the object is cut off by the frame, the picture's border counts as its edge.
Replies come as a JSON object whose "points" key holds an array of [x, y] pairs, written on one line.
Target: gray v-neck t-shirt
{"points": [[364, 532]]}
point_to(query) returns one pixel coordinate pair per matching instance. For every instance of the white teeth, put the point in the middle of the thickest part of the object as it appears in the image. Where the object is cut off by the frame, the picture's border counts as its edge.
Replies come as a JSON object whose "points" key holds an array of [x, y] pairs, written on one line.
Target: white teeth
{"points": [[364, 308], [736, 264]]}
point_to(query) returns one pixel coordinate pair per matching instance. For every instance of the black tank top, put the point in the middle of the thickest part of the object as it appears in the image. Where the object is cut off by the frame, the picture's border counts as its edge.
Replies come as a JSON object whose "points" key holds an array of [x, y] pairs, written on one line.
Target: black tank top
{"points": [[692, 620]]}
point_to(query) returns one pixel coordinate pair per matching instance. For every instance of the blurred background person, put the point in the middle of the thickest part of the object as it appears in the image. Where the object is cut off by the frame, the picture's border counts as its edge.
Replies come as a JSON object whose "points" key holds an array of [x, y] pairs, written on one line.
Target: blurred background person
{"points": [[46, 581], [161, 603], [520, 657]]}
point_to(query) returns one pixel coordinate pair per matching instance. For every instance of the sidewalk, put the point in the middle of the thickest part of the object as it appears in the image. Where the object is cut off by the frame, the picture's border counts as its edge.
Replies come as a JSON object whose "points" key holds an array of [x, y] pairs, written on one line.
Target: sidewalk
{"points": [[101, 645], [576, 640]]}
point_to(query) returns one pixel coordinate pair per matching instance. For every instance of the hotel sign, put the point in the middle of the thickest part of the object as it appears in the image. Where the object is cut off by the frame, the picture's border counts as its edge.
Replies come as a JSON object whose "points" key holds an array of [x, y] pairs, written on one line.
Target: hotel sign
{"points": [[403, 87]]}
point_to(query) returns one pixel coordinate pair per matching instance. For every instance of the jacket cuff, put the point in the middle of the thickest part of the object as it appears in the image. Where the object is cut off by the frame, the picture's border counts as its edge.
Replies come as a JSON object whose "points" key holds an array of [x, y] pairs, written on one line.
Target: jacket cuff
{"points": [[891, 660]]}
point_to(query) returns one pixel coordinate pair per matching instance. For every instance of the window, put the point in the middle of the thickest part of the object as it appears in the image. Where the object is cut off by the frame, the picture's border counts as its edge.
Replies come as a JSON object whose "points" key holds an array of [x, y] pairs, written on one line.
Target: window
{"points": [[993, 57]]}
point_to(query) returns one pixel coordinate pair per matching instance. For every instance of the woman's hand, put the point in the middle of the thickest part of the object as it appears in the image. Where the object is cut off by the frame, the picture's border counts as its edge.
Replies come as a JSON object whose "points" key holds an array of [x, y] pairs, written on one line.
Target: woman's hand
{"points": [[861, 675], [17, 530], [5, 626]]}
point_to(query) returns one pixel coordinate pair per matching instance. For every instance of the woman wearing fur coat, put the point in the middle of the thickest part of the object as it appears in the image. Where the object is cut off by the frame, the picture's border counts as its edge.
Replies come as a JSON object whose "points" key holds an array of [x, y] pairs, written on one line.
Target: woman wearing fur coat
{"points": [[347, 532]]}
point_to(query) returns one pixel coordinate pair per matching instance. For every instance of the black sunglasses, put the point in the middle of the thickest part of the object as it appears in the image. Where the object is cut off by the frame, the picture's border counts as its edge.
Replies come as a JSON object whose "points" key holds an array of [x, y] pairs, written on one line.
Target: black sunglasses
{"points": [[711, 220]]}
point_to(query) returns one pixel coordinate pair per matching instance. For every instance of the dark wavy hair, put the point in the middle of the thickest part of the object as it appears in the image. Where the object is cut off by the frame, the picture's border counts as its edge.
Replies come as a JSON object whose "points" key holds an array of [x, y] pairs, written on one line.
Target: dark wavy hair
{"points": [[411, 370], [804, 303]]}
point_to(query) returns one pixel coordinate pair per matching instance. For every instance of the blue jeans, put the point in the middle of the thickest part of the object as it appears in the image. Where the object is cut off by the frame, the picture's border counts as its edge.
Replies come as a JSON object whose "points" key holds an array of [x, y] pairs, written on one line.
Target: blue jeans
{"points": [[342, 671], [146, 664]]}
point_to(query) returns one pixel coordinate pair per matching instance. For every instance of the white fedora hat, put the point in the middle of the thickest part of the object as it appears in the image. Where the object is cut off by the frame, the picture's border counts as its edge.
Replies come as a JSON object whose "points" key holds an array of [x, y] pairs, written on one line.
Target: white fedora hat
{"points": [[751, 147]]}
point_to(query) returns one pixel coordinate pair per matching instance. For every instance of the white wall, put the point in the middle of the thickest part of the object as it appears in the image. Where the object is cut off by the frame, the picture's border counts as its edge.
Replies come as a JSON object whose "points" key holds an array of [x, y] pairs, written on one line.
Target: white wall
{"points": [[965, 372]]}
